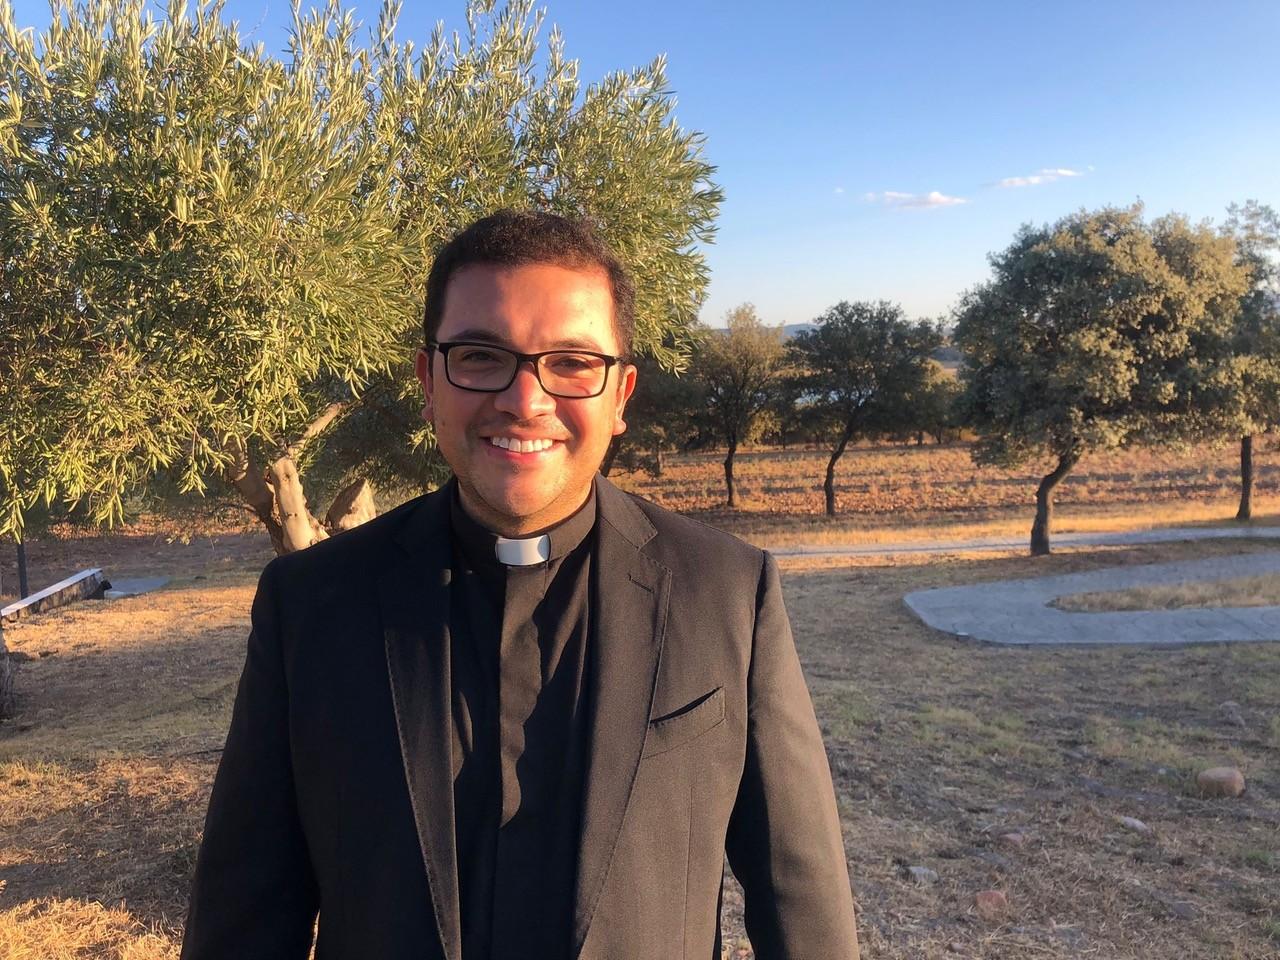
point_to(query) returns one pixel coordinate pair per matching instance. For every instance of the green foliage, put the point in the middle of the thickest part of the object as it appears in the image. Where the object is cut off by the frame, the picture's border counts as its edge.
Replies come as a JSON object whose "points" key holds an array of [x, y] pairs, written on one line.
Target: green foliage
{"points": [[193, 238], [1255, 348], [741, 371], [1096, 331], [473, 126], [202, 248], [934, 408], [860, 367]]}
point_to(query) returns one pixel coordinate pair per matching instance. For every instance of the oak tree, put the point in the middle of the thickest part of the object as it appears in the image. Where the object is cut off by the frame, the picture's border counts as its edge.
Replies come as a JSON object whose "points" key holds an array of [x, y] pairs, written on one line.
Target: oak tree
{"points": [[859, 368], [1254, 406], [741, 369], [1095, 332]]}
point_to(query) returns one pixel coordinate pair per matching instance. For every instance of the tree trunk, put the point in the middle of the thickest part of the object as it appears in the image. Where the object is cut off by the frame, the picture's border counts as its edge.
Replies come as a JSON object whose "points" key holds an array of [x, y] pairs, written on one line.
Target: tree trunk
{"points": [[657, 460], [352, 507], [919, 438], [1044, 503], [1246, 479], [276, 496], [610, 455], [24, 584], [829, 487], [300, 528], [247, 478], [6, 676], [728, 471]]}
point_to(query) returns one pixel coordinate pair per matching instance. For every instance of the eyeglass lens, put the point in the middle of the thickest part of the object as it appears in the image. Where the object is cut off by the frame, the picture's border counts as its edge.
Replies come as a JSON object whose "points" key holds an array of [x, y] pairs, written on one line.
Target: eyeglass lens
{"points": [[563, 374]]}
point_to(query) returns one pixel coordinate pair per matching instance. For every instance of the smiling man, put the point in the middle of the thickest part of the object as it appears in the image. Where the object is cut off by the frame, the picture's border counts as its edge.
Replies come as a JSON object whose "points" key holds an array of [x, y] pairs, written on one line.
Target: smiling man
{"points": [[525, 716]]}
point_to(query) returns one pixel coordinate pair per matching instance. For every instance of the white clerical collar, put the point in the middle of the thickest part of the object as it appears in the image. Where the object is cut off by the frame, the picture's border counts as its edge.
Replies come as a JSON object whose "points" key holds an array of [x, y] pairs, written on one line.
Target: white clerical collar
{"points": [[523, 553]]}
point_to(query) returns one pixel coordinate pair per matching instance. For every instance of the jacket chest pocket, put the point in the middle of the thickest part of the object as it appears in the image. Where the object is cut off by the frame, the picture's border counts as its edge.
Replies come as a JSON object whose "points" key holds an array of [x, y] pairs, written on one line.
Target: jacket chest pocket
{"points": [[691, 721]]}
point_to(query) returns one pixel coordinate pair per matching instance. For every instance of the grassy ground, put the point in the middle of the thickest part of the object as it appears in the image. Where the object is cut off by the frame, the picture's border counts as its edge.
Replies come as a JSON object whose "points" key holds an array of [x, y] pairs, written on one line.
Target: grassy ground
{"points": [[1261, 591], [939, 750]]}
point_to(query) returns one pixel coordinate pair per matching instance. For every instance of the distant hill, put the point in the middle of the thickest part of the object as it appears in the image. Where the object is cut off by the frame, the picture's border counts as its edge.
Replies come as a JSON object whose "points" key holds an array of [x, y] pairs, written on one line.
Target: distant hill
{"points": [[789, 330]]}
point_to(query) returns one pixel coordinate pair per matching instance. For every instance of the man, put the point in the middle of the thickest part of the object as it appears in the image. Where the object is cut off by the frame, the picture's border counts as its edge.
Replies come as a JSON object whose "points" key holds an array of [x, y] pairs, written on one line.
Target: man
{"points": [[524, 716]]}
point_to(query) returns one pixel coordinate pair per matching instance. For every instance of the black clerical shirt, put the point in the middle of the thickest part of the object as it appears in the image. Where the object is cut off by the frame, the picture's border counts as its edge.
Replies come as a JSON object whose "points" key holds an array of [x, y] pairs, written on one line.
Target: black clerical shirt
{"points": [[518, 670]]}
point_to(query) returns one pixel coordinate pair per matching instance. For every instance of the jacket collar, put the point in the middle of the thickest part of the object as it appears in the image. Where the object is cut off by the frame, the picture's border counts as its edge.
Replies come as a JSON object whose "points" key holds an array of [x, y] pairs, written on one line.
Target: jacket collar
{"points": [[629, 592]]}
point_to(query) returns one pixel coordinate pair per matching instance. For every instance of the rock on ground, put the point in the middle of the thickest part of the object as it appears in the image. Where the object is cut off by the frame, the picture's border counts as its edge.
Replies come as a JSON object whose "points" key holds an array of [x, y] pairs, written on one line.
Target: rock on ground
{"points": [[1220, 782]]}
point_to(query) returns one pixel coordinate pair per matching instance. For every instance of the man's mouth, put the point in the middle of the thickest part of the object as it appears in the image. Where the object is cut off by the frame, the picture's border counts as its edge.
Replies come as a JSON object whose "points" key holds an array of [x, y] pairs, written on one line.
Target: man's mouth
{"points": [[516, 445]]}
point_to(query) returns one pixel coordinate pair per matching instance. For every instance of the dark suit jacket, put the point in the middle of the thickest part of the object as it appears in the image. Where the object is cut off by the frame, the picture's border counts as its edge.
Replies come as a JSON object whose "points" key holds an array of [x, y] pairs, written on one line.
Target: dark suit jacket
{"points": [[334, 795]]}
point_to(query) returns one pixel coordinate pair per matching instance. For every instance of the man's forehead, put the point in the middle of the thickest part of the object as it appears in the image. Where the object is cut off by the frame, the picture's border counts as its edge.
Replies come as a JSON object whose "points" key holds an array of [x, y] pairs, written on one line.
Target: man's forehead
{"points": [[564, 306]]}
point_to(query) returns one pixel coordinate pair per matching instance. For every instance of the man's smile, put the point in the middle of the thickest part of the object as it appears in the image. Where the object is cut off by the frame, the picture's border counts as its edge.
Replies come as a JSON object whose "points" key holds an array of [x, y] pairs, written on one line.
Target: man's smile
{"points": [[523, 446]]}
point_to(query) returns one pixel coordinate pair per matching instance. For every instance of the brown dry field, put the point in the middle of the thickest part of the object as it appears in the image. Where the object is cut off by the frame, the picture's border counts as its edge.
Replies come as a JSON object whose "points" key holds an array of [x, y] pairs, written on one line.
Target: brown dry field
{"points": [[890, 493], [938, 747]]}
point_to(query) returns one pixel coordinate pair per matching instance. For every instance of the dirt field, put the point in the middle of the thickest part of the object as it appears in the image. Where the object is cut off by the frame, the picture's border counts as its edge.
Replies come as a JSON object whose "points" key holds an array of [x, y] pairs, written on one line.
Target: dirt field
{"points": [[909, 492], [939, 749]]}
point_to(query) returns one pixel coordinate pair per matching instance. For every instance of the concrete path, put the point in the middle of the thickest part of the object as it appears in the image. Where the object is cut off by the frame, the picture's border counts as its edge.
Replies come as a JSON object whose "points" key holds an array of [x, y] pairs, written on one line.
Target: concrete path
{"points": [[1166, 535], [1017, 611]]}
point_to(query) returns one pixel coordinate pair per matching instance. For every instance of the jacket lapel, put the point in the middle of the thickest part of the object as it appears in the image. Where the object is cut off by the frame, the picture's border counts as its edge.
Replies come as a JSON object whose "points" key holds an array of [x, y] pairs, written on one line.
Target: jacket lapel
{"points": [[414, 594], [629, 606]]}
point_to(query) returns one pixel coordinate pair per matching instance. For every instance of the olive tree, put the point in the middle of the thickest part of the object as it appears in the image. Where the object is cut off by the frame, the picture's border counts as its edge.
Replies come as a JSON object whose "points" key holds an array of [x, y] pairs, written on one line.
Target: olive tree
{"points": [[859, 368], [213, 260], [472, 124], [1095, 332], [198, 250]]}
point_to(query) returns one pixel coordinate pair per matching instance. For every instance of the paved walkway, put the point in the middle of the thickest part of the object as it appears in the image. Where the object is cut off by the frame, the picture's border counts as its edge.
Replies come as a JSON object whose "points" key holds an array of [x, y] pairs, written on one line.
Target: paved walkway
{"points": [[1017, 612], [1166, 535]]}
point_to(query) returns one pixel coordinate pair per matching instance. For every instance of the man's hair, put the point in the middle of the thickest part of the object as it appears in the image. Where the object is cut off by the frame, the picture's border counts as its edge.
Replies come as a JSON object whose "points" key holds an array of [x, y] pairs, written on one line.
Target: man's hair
{"points": [[513, 238]]}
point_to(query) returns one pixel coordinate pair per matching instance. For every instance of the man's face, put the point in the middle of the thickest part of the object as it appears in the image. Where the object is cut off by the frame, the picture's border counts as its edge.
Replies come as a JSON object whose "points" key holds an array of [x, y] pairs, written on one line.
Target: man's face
{"points": [[527, 309]]}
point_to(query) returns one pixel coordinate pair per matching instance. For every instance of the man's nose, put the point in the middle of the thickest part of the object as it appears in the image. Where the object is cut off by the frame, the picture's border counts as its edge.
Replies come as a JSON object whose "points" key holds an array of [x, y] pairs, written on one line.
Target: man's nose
{"points": [[525, 398]]}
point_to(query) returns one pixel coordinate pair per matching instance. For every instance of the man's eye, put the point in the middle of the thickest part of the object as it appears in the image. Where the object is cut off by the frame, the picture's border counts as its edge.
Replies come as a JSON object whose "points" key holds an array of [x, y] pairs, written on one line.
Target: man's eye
{"points": [[568, 363], [477, 356]]}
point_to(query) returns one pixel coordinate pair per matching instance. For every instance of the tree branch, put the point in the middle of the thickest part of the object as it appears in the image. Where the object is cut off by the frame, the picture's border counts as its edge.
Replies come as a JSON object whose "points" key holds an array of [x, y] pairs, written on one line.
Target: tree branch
{"points": [[316, 427]]}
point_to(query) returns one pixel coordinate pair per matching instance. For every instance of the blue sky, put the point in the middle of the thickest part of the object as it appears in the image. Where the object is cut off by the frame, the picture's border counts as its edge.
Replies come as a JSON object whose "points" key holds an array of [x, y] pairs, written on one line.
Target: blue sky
{"points": [[846, 135]]}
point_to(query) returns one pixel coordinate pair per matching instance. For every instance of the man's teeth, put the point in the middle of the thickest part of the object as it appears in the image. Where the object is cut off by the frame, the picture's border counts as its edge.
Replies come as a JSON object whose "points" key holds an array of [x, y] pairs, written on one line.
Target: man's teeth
{"points": [[521, 446]]}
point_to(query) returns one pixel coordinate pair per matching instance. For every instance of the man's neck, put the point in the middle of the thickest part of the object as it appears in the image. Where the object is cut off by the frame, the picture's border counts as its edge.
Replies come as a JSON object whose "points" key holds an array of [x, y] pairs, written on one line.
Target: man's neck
{"points": [[517, 528]]}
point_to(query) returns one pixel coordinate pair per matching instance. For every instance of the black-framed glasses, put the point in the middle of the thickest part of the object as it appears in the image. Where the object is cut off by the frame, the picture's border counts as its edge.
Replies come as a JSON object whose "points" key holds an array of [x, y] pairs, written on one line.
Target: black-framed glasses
{"points": [[484, 368]]}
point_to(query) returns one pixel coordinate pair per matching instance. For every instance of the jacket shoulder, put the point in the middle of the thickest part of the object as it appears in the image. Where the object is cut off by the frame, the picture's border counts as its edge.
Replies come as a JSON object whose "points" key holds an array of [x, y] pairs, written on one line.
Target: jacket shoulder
{"points": [[683, 542]]}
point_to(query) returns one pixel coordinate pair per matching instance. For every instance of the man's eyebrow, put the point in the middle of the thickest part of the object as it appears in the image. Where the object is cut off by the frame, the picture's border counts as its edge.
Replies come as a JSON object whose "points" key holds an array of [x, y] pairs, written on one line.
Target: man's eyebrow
{"points": [[481, 335]]}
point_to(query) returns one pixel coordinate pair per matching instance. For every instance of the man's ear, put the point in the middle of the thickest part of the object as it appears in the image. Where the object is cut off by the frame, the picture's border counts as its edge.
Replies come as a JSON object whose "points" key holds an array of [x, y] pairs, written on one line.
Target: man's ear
{"points": [[422, 369], [626, 387]]}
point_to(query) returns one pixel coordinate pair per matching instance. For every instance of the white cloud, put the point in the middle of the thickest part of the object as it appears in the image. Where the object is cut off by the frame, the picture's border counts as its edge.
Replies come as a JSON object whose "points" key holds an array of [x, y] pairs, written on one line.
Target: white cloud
{"points": [[895, 198], [1047, 175], [839, 190]]}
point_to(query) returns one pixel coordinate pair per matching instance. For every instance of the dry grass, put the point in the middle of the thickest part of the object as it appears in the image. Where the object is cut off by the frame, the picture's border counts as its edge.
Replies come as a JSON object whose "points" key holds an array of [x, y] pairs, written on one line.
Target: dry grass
{"points": [[77, 930], [1261, 591], [938, 748]]}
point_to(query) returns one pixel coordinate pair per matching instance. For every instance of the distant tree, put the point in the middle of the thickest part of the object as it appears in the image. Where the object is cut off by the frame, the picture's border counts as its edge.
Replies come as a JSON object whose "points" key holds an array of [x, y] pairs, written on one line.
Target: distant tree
{"points": [[933, 409], [1255, 347], [1086, 338], [741, 371], [213, 261], [664, 413], [859, 368]]}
